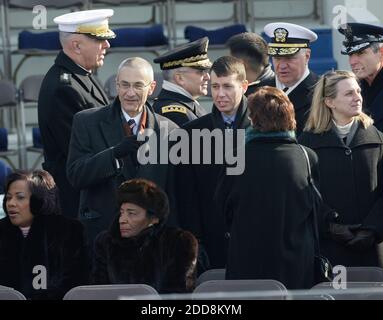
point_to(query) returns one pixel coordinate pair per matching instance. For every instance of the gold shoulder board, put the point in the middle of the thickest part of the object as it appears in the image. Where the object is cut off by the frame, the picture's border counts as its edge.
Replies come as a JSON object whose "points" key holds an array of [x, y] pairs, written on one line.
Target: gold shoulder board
{"points": [[174, 108]]}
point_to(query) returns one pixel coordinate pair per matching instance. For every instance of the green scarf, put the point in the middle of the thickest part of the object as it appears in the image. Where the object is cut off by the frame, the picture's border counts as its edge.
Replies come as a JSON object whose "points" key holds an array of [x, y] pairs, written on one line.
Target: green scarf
{"points": [[252, 134]]}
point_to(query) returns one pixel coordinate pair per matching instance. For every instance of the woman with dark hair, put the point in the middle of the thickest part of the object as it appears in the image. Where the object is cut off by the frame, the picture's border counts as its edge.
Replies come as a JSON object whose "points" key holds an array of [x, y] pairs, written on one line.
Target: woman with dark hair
{"points": [[42, 253], [268, 208], [139, 248], [350, 152]]}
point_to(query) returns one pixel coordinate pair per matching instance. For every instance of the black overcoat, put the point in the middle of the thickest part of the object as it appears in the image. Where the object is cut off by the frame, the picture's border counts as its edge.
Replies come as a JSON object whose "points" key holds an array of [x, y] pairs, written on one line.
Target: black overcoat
{"points": [[92, 167], [55, 242], [351, 184], [65, 90], [266, 76], [195, 188], [269, 209]]}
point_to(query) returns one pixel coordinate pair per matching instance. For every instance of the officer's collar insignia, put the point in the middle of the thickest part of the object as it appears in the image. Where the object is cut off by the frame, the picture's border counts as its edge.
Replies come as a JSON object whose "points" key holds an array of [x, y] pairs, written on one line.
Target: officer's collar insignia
{"points": [[280, 34], [65, 78]]}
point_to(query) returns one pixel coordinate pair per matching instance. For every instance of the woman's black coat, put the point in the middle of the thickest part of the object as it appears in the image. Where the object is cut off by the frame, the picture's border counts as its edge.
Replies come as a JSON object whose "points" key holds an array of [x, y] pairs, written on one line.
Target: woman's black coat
{"points": [[162, 257], [269, 208], [351, 184], [53, 241]]}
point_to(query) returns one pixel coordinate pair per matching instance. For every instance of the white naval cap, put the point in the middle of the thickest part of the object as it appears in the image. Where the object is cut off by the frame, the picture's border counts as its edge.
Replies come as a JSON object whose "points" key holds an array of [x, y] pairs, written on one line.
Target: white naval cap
{"points": [[288, 38], [91, 22]]}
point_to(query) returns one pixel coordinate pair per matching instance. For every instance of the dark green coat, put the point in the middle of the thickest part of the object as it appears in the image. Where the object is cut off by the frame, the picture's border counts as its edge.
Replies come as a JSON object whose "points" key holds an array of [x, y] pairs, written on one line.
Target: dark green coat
{"points": [[351, 184]]}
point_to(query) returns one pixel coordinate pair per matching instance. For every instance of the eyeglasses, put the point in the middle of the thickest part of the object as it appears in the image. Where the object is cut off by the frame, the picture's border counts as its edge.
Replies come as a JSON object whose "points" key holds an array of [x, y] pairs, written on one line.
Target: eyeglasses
{"points": [[136, 86]]}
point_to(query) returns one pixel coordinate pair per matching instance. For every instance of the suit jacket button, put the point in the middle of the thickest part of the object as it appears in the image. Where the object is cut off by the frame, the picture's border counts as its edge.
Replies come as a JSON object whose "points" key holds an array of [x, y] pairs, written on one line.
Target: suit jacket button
{"points": [[348, 152]]}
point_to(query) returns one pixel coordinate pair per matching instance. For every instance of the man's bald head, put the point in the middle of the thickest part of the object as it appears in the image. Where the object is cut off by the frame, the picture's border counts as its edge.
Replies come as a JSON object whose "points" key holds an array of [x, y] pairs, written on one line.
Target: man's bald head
{"points": [[137, 63]]}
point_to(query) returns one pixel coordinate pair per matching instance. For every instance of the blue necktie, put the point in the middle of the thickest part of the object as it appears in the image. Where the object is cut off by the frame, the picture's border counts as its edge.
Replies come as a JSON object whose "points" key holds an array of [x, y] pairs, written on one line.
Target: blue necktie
{"points": [[229, 124]]}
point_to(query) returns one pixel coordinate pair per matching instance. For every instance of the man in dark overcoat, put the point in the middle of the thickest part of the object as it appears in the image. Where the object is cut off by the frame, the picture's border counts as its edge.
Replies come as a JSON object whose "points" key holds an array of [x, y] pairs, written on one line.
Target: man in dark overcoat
{"points": [[363, 46], [103, 146], [251, 48], [185, 70], [68, 88], [196, 183], [290, 52]]}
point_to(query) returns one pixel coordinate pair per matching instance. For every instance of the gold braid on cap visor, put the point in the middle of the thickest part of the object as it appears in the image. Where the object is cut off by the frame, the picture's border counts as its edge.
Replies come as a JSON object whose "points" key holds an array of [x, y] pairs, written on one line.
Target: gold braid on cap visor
{"points": [[288, 45], [100, 31], [201, 59]]}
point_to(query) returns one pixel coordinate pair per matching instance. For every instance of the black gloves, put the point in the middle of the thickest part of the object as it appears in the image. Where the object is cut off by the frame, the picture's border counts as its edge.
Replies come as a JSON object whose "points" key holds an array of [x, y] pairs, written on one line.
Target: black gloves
{"points": [[343, 233], [129, 145], [364, 239], [353, 236]]}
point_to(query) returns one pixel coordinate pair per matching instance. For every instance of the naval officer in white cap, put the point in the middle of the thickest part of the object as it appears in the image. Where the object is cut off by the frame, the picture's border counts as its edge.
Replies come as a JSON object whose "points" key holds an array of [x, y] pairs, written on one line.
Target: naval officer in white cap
{"points": [[290, 51], [69, 87]]}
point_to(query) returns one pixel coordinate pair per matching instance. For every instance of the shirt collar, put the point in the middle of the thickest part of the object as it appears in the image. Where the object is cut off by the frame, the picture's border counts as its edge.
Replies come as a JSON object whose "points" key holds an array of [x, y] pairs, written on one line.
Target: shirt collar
{"points": [[89, 72], [227, 118], [170, 86], [282, 86]]}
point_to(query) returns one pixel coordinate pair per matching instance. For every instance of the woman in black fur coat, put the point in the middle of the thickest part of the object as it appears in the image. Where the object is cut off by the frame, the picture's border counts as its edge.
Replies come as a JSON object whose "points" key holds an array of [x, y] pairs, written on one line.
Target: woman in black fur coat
{"points": [[139, 248], [42, 253]]}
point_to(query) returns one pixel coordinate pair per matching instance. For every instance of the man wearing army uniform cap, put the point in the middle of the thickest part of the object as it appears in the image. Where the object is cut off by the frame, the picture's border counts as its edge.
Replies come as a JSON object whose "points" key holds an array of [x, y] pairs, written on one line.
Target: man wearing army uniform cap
{"points": [[186, 75], [290, 52], [69, 87], [363, 46]]}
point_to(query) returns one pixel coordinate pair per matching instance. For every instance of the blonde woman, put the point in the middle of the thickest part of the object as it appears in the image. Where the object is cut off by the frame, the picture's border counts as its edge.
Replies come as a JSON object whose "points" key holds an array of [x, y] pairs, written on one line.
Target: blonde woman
{"points": [[350, 151]]}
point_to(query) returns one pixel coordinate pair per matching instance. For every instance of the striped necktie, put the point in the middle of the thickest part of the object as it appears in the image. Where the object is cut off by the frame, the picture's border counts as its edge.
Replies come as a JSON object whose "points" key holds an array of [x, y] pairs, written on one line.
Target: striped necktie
{"points": [[129, 126], [229, 124]]}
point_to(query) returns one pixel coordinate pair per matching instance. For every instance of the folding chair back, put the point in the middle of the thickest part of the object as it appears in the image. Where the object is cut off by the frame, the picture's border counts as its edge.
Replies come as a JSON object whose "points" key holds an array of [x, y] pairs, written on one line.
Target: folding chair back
{"points": [[7, 293], [112, 292], [212, 274], [255, 289]]}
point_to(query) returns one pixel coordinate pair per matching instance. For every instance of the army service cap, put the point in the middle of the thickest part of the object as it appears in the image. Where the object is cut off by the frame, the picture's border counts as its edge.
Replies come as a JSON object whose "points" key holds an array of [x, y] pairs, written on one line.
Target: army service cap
{"points": [[192, 54]]}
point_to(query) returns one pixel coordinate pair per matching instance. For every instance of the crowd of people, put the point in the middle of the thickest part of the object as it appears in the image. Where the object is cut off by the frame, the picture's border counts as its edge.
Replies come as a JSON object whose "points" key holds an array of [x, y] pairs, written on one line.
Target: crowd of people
{"points": [[99, 214]]}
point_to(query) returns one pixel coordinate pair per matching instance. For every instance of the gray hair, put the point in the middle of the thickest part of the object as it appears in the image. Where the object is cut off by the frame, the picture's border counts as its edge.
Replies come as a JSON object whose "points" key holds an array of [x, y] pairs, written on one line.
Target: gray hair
{"points": [[64, 37], [375, 46], [168, 75], [137, 62]]}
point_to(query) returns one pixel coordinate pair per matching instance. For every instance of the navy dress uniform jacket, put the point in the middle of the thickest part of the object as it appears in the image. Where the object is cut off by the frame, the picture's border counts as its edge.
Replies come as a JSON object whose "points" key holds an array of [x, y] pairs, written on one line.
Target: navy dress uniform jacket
{"points": [[65, 90], [373, 99]]}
